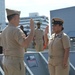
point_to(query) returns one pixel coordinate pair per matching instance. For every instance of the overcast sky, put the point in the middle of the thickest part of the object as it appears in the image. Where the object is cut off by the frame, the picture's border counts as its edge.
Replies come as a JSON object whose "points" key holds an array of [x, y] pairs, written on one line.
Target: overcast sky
{"points": [[43, 7]]}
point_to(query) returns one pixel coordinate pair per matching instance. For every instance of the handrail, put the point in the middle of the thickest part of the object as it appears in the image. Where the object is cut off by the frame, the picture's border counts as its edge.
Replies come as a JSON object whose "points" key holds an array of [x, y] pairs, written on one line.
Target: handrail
{"points": [[1, 71], [72, 66], [43, 57], [28, 69]]}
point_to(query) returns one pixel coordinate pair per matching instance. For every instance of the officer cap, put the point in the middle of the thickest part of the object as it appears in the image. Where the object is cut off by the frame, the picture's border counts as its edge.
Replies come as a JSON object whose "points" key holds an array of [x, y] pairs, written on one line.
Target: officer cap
{"points": [[12, 12], [57, 21]]}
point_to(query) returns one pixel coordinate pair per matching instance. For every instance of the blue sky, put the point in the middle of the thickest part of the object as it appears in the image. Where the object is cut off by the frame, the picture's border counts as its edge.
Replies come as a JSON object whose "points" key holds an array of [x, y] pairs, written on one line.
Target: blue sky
{"points": [[43, 7]]}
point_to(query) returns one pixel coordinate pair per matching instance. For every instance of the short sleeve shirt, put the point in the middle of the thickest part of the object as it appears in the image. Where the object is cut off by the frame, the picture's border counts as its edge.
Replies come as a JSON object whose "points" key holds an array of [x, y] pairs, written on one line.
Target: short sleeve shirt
{"points": [[12, 39], [38, 34], [58, 43]]}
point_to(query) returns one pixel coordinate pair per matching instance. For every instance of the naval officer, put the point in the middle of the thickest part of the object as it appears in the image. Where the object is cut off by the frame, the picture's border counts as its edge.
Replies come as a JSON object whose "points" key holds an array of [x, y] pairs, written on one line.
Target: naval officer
{"points": [[13, 42], [38, 38], [59, 46]]}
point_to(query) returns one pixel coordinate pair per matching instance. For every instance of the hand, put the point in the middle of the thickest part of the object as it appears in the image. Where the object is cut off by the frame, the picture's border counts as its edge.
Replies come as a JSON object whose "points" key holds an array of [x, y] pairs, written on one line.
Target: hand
{"points": [[44, 47], [31, 24], [65, 64], [47, 30]]}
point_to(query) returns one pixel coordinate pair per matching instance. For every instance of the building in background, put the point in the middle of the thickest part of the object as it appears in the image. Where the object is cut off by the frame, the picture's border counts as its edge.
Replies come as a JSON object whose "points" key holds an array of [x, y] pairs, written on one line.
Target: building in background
{"points": [[25, 21], [2, 14]]}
